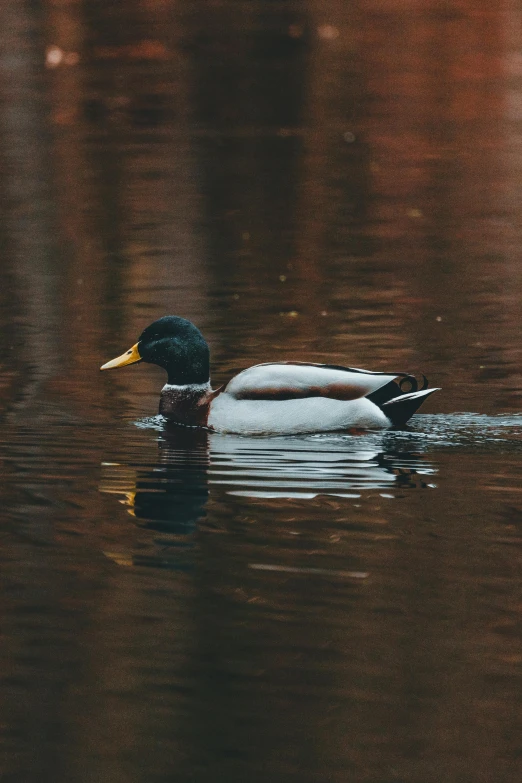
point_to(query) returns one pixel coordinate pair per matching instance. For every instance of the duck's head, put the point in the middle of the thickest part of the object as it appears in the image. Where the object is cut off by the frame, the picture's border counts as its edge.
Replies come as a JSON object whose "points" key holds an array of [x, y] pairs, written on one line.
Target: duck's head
{"points": [[174, 344]]}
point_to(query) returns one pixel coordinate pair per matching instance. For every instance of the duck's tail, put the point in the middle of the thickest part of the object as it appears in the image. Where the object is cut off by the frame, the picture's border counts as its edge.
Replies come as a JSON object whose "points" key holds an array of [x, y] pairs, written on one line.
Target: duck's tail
{"points": [[400, 405], [402, 408]]}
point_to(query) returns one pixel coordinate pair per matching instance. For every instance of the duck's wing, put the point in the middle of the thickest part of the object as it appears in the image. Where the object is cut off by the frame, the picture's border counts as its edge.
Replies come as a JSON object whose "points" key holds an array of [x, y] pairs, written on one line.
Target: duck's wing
{"points": [[294, 380]]}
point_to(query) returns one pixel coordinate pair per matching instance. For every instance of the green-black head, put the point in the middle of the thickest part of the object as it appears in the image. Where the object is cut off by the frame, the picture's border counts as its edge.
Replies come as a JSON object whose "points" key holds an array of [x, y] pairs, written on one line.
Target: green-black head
{"points": [[174, 344]]}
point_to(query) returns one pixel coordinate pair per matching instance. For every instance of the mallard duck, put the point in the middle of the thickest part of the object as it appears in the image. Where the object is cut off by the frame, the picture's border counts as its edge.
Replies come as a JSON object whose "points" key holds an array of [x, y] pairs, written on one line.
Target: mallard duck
{"points": [[269, 399]]}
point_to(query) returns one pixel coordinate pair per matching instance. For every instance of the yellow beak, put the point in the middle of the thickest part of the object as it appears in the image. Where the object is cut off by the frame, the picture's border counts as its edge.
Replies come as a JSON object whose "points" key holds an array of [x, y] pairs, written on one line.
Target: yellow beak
{"points": [[129, 357]]}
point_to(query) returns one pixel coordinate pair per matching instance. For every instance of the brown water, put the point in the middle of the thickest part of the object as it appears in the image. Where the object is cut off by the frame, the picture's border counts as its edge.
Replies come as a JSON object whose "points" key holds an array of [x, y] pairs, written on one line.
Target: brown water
{"points": [[324, 181]]}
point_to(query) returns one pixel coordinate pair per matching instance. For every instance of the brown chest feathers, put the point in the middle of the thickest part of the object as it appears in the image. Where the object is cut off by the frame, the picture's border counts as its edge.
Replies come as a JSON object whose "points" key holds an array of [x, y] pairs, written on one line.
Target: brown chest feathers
{"points": [[188, 405]]}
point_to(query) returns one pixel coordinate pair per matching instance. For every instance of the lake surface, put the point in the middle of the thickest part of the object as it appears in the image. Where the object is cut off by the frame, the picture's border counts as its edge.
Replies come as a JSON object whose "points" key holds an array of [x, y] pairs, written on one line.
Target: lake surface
{"points": [[318, 181]]}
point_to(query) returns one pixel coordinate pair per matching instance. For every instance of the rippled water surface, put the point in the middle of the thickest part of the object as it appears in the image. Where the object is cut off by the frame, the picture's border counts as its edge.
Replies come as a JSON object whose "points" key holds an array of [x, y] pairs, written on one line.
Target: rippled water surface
{"points": [[314, 181]]}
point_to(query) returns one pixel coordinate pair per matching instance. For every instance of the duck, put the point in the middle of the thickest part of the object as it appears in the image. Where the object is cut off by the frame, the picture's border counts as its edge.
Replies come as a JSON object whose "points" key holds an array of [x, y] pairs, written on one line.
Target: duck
{"points": [[278, 398]]}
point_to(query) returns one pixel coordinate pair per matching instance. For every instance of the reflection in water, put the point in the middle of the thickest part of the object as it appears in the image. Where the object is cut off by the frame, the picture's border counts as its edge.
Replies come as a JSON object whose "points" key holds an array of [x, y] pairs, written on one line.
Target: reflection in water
{"points": [[169, 497], [307, 467]]}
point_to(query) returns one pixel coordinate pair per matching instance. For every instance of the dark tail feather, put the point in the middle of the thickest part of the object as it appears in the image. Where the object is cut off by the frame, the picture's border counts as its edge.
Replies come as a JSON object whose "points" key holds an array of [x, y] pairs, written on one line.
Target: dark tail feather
{"points": [[406, 385], [402, 407]]}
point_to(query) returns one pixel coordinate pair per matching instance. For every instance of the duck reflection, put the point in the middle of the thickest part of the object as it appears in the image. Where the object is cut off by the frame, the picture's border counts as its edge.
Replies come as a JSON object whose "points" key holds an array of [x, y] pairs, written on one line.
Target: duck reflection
{"points": [[305, 467], [171, 495], [168, 498]]}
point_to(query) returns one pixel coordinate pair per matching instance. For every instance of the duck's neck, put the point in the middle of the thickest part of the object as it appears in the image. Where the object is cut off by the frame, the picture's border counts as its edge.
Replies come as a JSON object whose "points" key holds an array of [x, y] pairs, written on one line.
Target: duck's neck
{"points": [[187, 404]]}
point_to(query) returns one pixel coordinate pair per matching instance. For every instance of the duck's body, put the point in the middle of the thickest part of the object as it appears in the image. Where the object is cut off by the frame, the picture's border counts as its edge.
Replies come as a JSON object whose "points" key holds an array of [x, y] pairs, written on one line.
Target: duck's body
{"points": [[269, 399], [292, 417]]}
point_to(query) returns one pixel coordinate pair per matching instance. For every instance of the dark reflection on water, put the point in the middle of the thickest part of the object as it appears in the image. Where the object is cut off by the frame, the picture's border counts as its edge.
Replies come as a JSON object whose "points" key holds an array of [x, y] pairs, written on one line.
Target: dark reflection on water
{"points": [[316, 181], [170, 496], [167, 498]]}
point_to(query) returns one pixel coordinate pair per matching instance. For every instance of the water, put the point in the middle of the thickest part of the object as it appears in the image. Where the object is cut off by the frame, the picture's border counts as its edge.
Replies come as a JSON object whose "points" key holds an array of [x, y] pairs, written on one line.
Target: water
{"points": [[320, 182]]}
